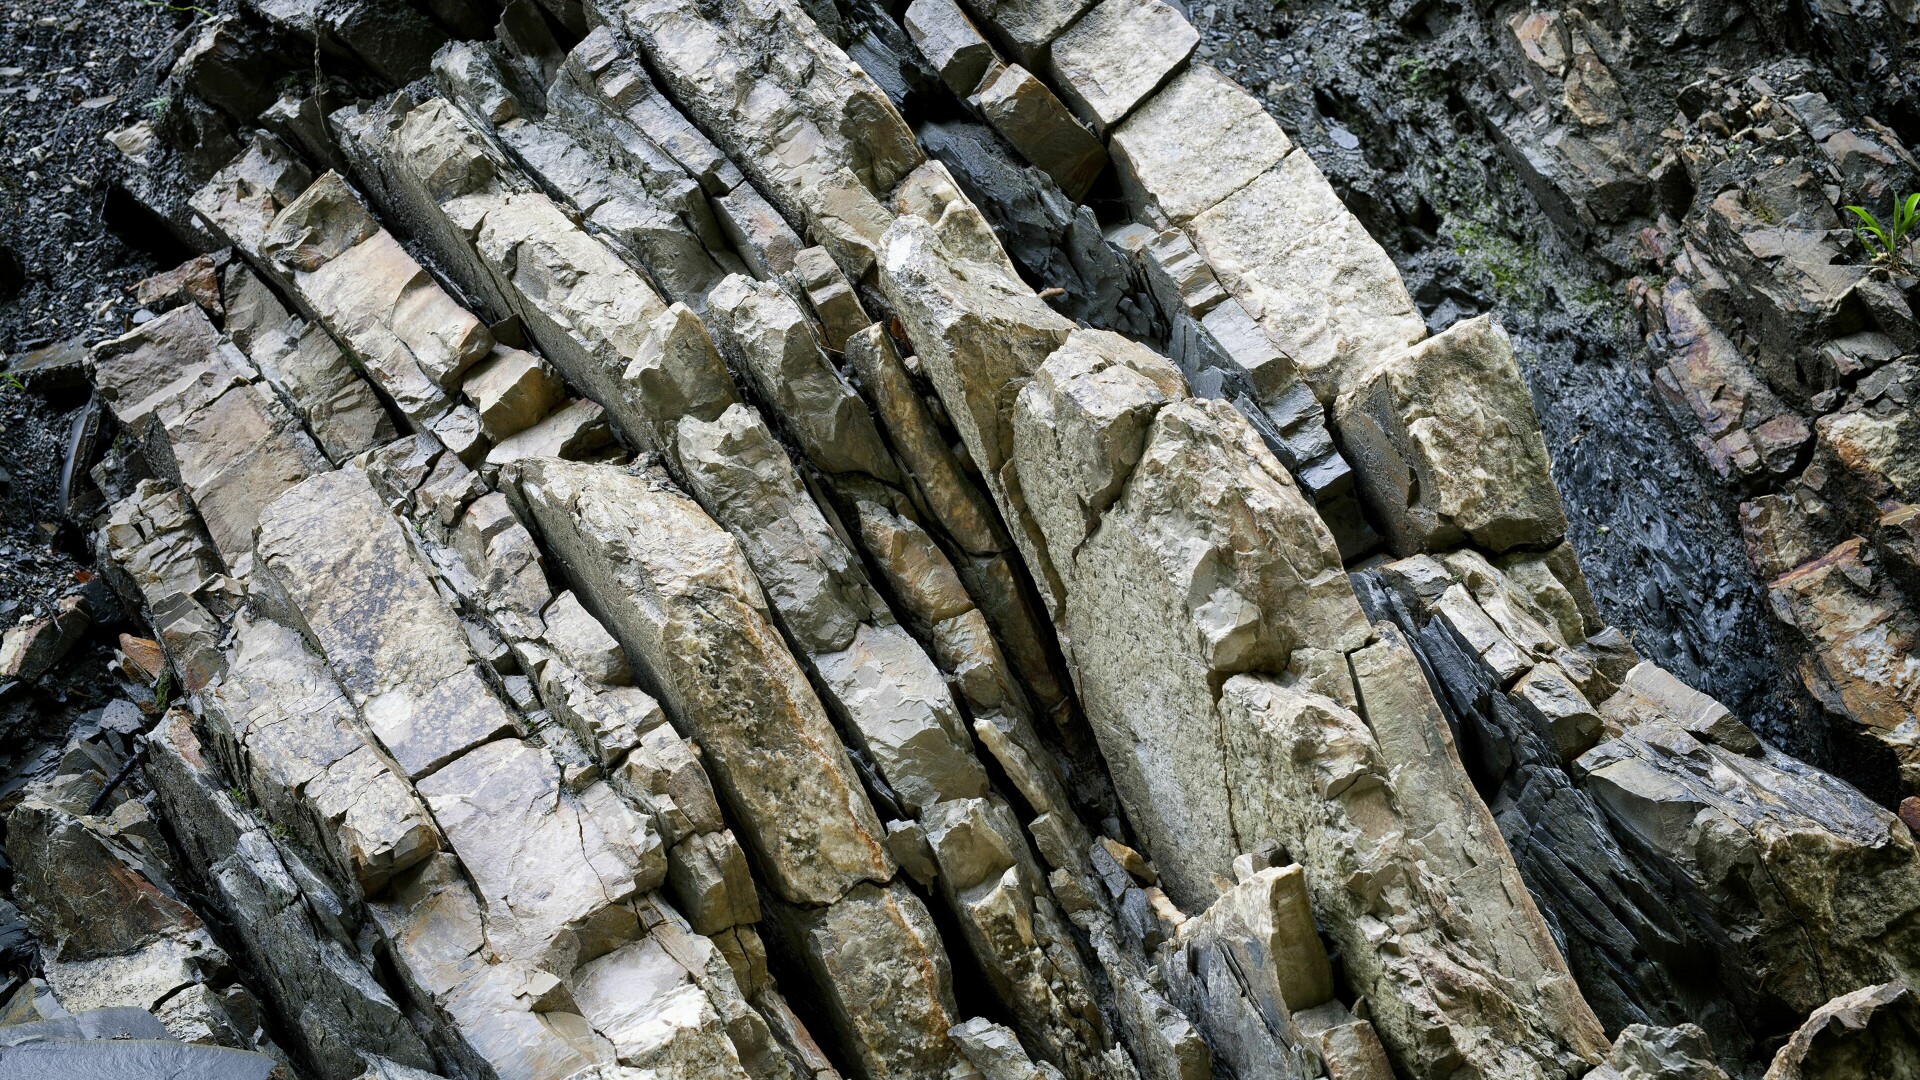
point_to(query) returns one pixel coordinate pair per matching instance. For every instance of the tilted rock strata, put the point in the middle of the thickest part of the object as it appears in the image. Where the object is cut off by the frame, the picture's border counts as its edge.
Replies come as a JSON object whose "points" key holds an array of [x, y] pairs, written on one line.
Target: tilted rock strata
{"points": [[792, 682]]}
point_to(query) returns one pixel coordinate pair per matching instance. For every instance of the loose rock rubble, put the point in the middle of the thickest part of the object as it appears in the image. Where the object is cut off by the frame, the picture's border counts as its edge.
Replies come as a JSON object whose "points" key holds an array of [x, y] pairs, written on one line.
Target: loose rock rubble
{"points": [[656, 590]]}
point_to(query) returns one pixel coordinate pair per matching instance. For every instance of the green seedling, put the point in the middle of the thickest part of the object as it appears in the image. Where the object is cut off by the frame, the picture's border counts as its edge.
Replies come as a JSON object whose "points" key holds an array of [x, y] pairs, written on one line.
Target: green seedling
{"points": [[1888, 243]]}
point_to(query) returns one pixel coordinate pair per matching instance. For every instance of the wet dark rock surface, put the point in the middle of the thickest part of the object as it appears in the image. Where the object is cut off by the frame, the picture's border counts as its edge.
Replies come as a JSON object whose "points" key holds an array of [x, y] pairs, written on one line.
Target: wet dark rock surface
{"points": [[1391, 100]]}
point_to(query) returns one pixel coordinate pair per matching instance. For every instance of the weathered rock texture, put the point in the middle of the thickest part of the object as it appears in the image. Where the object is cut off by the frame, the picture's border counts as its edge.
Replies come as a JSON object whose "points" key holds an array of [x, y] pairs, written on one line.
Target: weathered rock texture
{"points": [[659, 591]]}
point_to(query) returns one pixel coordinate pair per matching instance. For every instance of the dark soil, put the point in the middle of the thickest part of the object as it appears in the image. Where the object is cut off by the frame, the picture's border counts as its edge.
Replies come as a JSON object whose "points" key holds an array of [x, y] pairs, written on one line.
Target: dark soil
{"points": [[70, 72]]}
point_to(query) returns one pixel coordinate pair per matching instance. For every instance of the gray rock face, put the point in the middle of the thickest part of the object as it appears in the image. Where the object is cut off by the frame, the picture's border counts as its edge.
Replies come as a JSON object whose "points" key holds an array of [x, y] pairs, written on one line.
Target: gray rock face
{"points": [[359, 593], [1728, 809], [101, 890], [342, 1019], [879, 956], [205, 422], [1872, 1031], [306, 365], [1028, 115], [825, 150], [153, 539], [281, 723], [776, 344]]}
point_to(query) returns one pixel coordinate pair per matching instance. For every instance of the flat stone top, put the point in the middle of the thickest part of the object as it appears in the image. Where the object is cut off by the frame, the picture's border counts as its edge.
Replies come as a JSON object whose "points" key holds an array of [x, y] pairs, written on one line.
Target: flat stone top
{"points": [[1198, 140]]}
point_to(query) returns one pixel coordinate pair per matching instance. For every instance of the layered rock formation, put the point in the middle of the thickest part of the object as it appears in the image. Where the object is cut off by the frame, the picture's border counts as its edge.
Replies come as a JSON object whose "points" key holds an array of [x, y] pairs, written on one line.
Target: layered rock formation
{"points": [[658, 591]]}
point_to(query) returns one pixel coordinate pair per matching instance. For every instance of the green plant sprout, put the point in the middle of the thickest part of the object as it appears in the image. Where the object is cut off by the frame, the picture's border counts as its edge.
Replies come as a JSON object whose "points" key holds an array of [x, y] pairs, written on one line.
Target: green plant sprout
{"points": [[1888, 243]]}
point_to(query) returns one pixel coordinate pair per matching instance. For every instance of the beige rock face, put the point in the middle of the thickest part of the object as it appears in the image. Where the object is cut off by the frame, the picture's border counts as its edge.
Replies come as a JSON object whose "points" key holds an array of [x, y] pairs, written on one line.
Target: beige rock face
{"points": [[996, 890], [1029, 27], [1310, 775], [413, 339], [1021, 108], [306, 365], [1446, 448], [741, 475], [1308, 273], [338, 1016], [1114, 57], [357, 590], [915, 438], [676, 591], [1202, 560], [655, 1014], [1271, 913], [512, 389], [775, 341], [979, 330], [153, 537], [1197, 141], [246, 195], [950, 42], [898, 711]]}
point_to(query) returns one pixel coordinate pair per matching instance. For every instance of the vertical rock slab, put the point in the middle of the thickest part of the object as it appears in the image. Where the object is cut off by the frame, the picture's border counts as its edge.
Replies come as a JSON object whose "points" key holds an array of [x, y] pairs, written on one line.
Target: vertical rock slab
{"points": [[1310, 776], [305, 364], [1862, 637], [888, 987], [1187, 555], [742, 476], [776, 343], [1109, 61], [151, 537], [351, 579], [980, 332], [676, 591], [413, 339], [1307, 271]]}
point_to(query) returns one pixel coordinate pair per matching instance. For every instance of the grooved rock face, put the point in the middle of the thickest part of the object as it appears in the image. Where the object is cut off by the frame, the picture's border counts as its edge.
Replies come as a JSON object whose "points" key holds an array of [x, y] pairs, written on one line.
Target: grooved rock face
{"points": [[676, 591], [1810, 886]]}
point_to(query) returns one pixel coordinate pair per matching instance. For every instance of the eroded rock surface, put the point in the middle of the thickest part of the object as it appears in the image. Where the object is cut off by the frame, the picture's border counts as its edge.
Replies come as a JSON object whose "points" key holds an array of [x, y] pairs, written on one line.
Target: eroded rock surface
{"points": [[785, 541]]}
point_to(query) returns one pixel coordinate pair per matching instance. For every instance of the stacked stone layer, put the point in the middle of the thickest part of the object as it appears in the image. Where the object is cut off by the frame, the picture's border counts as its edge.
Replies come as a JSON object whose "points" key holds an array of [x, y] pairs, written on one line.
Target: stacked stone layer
{"points": [[662, 593]]}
